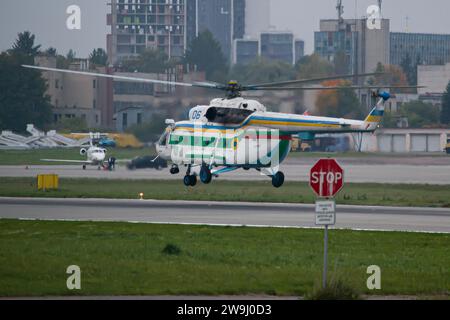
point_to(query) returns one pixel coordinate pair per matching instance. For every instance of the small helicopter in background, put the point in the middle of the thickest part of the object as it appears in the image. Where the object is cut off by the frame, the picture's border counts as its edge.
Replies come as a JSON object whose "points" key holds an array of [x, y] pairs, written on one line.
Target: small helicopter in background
{"points": [[233, 133]]}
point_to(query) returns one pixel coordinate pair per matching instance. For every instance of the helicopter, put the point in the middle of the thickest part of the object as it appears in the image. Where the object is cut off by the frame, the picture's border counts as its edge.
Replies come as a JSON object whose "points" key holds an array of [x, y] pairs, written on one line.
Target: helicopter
{"points": [[233, 132]]}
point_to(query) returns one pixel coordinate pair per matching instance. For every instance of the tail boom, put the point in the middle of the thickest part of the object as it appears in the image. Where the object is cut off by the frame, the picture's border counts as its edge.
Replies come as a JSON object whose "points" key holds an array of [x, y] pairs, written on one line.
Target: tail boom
{"points": [[376, 115]]}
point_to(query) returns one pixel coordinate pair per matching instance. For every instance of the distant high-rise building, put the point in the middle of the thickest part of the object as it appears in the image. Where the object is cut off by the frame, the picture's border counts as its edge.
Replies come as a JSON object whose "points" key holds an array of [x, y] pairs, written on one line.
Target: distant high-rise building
{"points": [[299, 49], [257, 17], [245, 51], [225, 19], [359, 47], [140, 24], [271, 45], [171, 25], [276, 45], [422, 48]]}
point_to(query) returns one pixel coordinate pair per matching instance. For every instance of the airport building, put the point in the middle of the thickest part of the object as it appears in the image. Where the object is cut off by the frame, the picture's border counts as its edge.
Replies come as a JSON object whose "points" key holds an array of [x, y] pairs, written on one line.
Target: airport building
{"points": [[359, 47], [94, 104], [406, 140], [136, 102], [271, 45], [435, 78]]}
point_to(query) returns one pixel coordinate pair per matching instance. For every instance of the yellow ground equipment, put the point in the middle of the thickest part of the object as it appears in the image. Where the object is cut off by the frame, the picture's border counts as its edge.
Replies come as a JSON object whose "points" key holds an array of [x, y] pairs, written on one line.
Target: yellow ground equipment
{"points": [[47, 181], [126, 140]]}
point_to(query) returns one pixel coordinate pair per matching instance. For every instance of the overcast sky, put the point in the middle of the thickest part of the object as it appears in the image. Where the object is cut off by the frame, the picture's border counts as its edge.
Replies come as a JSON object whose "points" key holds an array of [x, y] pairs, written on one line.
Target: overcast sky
{"points": [[47, 19]]}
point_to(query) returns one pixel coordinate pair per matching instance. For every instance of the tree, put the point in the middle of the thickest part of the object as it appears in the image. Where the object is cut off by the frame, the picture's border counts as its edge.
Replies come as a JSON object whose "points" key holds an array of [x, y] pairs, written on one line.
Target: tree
{"points": [[445, 111], [416, 67], [150, 61], [338, 103], [313, 66], [24, 46], [391, 75], [71, 55], [420, 114], [408, 69], [51, 52], [149, 131], [23, 96], [262, 70], [98, 57], [205, 53], [68, 125], [341, 63], [63, 62]]}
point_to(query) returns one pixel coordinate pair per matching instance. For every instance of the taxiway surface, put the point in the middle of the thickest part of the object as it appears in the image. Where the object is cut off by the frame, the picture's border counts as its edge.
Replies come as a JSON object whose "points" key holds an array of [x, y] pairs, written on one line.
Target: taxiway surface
{"points": [[371, 173], [224, 213]]}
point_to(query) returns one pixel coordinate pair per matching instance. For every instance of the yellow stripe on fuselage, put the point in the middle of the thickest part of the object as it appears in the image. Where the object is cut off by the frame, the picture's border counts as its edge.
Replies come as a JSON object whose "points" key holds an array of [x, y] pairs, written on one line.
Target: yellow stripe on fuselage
{"points": [[203, 129], [261, 122]]}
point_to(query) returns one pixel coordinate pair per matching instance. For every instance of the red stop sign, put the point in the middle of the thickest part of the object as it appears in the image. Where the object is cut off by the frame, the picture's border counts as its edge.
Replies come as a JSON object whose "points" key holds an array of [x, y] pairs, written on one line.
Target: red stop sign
{"points": [[326, 178]]}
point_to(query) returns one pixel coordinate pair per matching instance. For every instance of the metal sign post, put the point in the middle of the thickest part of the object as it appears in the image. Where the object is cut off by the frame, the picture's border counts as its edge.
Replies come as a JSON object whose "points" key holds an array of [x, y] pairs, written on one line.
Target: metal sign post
{"points": [[325, 255], [325, 215], [326, 179]]}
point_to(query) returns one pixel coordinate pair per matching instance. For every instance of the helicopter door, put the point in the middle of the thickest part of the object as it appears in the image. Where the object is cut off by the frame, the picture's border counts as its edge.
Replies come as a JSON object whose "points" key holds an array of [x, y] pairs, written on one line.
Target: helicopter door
{"points": [[246, 151], [257, 146]]}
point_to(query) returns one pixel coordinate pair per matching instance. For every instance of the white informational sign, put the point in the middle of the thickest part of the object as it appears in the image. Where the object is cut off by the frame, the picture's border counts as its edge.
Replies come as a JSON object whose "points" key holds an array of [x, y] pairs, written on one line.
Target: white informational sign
{"points": [[325, 212]]}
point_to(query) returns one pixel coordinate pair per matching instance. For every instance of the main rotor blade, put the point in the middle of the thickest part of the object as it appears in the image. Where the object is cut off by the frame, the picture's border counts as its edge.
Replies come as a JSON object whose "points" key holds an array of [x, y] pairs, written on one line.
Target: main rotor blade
{"points": [[281, 83], [332, 88], [126, 78]]}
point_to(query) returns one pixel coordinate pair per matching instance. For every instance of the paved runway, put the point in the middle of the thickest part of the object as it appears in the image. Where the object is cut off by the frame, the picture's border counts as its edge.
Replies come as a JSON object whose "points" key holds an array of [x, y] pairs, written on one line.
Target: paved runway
{"points": [[224, 213], [376, 173]]}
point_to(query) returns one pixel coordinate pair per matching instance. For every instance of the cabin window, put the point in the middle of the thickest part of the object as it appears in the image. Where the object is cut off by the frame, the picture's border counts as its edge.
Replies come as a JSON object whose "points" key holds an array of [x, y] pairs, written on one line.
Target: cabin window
{"points": [[227, 115]]}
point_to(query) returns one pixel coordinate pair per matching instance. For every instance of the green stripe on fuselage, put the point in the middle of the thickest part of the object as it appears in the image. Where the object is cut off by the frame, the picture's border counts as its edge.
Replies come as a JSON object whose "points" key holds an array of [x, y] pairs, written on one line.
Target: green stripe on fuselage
{"points": [[208, 141]]}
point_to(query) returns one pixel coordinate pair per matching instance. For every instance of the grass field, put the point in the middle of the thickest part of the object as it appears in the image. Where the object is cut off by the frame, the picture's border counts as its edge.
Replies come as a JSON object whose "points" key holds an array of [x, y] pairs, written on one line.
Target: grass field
{"points": [[32, 157], [128, 259], [261, 191]]}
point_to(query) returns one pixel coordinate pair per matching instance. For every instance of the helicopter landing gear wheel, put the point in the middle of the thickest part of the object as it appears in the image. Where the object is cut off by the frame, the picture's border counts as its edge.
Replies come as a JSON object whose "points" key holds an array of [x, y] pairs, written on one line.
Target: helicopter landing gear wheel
{"points": [[84, 167], [190, 180], [174, 169], [278, 179], [205, 174]]}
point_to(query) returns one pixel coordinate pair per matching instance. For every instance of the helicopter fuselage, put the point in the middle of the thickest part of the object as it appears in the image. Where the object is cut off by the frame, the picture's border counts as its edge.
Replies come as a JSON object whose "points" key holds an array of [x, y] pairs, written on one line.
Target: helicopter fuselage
{"points": [[237, 133]]}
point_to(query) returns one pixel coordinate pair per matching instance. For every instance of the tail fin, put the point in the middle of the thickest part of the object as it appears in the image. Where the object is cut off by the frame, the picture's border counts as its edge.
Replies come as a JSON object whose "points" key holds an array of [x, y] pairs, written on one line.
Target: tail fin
{"points": [[376, 115]]}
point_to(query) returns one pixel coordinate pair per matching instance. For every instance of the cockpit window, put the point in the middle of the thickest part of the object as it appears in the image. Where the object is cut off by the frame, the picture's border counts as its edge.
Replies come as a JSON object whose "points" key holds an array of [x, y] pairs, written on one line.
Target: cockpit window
{"points": [[163, 139], [227, 115]]}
